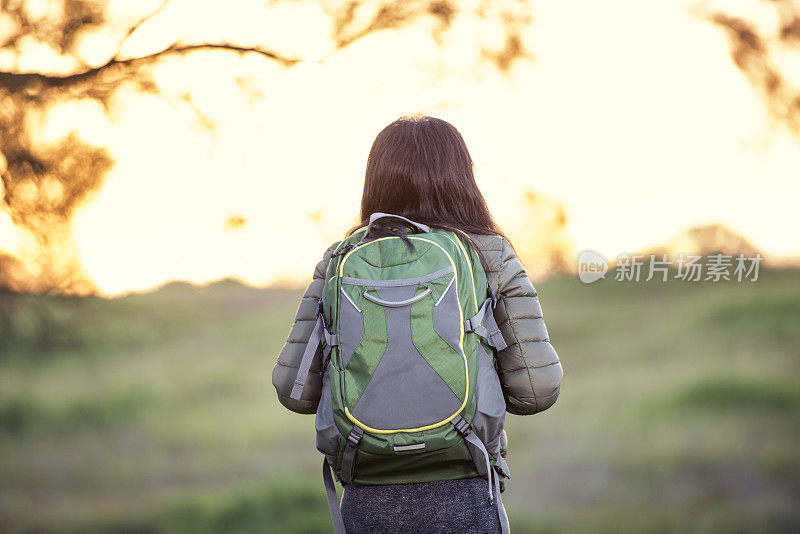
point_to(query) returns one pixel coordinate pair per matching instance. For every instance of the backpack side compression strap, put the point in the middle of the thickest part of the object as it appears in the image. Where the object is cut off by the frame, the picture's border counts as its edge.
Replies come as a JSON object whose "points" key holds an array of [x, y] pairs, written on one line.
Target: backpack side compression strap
{"points": [[349, 456]]}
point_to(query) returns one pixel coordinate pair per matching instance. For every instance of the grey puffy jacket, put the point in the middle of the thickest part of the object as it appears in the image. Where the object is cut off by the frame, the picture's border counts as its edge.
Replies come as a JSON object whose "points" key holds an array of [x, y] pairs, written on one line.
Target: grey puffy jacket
{"points": [[529, 369]]}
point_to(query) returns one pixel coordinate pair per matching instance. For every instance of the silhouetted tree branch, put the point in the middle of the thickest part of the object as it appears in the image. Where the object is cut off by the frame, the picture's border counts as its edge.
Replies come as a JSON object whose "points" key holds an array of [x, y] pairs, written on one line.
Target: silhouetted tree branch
{"points": [[42, 186], [34, 82]]}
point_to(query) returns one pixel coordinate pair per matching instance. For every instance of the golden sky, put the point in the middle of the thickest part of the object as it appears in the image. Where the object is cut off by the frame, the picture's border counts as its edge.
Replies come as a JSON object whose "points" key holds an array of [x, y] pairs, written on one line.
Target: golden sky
{"points": [[631, 113]]}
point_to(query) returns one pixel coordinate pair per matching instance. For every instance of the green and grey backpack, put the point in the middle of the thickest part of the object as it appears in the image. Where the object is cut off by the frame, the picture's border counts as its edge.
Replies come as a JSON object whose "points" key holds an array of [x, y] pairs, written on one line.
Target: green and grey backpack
{"points": [[409, 389]]}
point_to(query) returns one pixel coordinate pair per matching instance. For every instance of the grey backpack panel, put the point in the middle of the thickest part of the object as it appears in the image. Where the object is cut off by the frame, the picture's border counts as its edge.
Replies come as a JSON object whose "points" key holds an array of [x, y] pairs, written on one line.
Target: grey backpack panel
{"points": [[351, 336], [446, 317], [490, 414], [404, 391], [328, 434]]}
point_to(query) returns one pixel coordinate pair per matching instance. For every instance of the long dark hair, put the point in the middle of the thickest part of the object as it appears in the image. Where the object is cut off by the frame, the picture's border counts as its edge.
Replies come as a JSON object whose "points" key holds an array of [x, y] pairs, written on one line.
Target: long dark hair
{"points": [[419, 167]]}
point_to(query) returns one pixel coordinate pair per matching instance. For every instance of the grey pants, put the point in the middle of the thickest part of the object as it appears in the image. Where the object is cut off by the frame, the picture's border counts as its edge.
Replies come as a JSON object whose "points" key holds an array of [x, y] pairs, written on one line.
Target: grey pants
{"points": [[445, 506]]}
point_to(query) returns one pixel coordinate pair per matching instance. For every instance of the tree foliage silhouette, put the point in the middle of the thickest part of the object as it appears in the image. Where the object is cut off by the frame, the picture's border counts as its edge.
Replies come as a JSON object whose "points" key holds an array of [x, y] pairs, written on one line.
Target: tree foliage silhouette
{"points": [[42, 186], [754, 50]]}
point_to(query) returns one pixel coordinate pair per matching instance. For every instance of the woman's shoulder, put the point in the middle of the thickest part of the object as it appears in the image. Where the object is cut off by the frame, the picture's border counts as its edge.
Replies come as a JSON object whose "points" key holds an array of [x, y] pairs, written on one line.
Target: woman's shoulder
{"points": [[496, 251], [489, 243], [322, 265]]}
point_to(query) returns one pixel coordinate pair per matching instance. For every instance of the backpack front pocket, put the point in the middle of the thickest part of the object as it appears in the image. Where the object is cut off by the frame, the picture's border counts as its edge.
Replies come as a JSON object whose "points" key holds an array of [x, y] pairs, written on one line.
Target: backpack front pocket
{"points": [[404, 375]]}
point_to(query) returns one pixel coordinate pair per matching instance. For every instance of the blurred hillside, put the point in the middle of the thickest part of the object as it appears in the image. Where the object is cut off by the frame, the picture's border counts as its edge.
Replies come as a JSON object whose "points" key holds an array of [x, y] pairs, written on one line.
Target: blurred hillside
{"points": [[706, 240], [154, 413]]}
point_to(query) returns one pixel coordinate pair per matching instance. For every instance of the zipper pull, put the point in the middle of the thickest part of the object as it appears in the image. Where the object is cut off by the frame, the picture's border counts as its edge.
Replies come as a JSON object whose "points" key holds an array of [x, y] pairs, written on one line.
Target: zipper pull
{"points": [[345, 250]]}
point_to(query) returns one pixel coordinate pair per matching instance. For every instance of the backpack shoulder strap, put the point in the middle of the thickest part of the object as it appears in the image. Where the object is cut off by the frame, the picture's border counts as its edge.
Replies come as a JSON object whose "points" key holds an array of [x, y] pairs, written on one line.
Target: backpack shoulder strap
{"points": [[317, 335], [333, 501], [484, 324], [478, 449]]}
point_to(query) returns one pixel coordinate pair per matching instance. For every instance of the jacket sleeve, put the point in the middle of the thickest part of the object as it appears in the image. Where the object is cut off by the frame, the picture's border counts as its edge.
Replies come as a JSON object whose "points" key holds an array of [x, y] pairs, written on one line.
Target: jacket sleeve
{"points": [[529, 368], [285, 371]]}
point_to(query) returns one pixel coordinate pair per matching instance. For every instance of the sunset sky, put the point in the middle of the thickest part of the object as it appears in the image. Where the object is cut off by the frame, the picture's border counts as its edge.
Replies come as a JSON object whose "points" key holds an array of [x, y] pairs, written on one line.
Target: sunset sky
{"points": [[630, 113]]}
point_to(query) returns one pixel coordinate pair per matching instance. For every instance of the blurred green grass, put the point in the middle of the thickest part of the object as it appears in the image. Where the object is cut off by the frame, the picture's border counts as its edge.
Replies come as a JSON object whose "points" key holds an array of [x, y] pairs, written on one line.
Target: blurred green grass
{"points": [[155, 413]]}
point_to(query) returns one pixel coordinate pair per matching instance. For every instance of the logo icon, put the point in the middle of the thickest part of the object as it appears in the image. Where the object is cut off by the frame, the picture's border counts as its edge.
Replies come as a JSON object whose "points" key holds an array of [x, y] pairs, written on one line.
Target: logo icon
{"points": [[592, 266]]}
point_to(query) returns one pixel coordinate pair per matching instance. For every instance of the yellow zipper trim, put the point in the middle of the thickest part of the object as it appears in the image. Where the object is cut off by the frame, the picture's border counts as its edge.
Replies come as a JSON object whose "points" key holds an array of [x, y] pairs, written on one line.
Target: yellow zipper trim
{"points": [[460, 346]]}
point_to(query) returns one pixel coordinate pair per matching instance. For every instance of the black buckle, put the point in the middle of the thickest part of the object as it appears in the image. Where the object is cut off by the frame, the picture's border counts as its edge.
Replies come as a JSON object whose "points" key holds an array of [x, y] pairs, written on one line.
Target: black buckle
{"points": [[354, 437], [472, 326], [462, 426]]}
